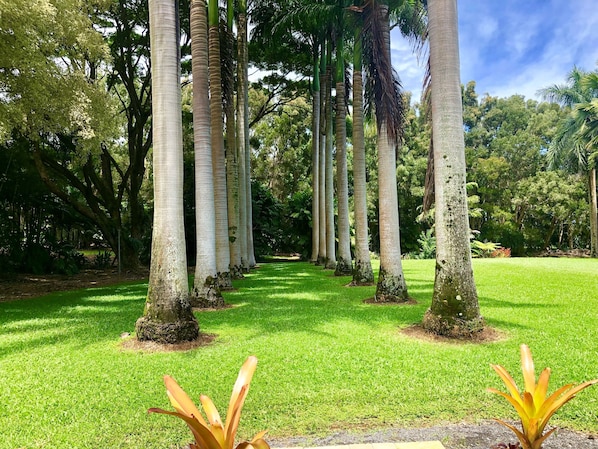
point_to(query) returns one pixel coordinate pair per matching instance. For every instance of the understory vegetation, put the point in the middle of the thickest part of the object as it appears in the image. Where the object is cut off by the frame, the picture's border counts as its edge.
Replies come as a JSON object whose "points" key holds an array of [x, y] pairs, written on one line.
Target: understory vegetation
{"points": [[327, 360]]}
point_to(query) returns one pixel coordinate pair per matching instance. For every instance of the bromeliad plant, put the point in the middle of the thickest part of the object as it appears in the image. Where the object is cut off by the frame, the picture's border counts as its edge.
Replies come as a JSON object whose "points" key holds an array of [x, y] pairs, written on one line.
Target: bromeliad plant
{"points": [[532, 405], [213, 434]]}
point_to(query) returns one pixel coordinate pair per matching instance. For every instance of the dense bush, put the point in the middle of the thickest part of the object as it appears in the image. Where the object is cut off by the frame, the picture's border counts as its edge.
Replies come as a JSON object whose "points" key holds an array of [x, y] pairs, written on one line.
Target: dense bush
{"points": [[281, 228]]}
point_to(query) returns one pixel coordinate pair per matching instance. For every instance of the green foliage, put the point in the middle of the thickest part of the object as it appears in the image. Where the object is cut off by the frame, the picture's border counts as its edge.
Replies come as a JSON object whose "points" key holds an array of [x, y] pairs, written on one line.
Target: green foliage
{"points": [[427, 246], [281, 144], [47, 257], [49, 46], [576, 139], [297, 224], [102, 260], [551, 209], [279, 227], [303, 325], [483, 249], [37, 232], [519, 204], [267, 221]]}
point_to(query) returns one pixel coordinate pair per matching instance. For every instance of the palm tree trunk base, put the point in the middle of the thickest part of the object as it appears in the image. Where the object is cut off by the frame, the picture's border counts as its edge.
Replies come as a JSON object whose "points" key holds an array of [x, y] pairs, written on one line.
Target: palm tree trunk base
{"points": [[449, 326], [321, 261], [170, 333], [343, 267], [224, 281], [207, 295], [330, 264], [391, 288], [362, 274], [236, 272]]}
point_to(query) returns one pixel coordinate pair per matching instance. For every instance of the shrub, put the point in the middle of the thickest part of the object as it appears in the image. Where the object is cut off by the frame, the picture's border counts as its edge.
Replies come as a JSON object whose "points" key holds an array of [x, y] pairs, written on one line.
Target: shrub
{"points": [[533, 405]]}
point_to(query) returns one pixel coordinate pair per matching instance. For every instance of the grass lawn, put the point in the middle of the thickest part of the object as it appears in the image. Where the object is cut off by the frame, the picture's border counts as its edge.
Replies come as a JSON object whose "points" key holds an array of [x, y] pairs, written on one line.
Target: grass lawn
{"points": [[327, 361]]}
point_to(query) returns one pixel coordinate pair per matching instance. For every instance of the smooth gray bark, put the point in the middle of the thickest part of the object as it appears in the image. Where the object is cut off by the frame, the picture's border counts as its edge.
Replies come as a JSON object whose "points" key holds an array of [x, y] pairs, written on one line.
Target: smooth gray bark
{"points": [[454, 311]]}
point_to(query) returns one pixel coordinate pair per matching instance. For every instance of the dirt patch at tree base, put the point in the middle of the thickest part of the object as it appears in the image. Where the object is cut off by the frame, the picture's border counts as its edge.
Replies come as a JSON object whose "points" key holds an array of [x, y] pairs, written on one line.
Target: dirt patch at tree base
{"points": [[24, 286], [486, 335], [132, 344], [373, 301]]}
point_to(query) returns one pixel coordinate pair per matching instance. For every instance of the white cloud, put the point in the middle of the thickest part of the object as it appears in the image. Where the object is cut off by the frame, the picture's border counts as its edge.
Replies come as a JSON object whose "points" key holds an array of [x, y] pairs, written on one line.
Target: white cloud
{"points": [[486, 28], [405, 62], [511, 47]]}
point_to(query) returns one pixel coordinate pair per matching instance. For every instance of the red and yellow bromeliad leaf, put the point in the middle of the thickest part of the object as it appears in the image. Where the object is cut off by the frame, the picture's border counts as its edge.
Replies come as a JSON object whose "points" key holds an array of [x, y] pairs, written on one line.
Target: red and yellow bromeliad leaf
{"points": [[532, 406], [542, 388], [509, 382], [214, 420], [232, 421], [201, 433], [180, 400], [527, 368], [216, 435]]}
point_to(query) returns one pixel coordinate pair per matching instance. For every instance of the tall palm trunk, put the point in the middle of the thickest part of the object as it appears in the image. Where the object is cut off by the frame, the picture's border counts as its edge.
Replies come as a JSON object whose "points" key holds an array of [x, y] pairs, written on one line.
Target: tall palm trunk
{"points": [[167, 317], [454, 310], [249, 205], [362, 273], [322, 159], [242, 138], [218, 158], [330, 233], [315, 163], [205, 287], [593, 213], [232, 155], [391, 286], [246, 154], [344, 264]]}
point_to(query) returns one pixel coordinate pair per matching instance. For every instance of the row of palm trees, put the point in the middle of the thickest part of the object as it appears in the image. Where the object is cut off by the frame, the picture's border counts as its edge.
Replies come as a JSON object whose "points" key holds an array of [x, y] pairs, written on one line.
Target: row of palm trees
{"points": [[455, 307], [222, 182], [321, 24]]}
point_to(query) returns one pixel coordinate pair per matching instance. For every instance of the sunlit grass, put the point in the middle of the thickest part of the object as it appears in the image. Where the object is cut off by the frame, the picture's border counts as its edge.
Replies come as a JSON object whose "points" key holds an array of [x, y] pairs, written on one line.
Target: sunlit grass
{"points": [[326, 359]]}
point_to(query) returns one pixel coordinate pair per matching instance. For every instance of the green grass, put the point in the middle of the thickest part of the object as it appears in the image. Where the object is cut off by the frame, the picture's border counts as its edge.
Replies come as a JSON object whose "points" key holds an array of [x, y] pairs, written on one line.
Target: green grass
{"points": [[327, 361]]}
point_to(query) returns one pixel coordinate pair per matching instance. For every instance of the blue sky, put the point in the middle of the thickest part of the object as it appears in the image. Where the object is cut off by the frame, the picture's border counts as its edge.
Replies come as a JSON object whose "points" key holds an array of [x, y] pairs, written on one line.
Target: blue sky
{"points": [[514, 47]]}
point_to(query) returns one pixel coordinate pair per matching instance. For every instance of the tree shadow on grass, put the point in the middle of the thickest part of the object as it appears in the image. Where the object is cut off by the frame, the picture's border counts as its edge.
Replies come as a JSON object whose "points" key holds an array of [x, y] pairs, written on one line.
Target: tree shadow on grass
{"points": [[281, 298], [81, 318], [502, 303], [288, 298]]}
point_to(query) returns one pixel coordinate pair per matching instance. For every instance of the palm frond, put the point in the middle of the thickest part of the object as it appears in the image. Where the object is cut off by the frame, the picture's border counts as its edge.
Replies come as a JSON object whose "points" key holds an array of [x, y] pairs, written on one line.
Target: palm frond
{"points": [[567, 94], [574, 145], [382, 83], [411, 18]]}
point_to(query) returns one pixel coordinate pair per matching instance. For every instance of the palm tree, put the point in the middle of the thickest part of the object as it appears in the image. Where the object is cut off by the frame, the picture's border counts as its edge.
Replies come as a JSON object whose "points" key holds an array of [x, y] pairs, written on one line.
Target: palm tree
{"points": [[344, 264], [328, 172], [362, 273], [575, 144], [322, 158], [306, 24], [455, 310], [315, 161], [242, 127], [388, 102], [218, 158], [168, 317], [205, 288], [232, 153]]}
